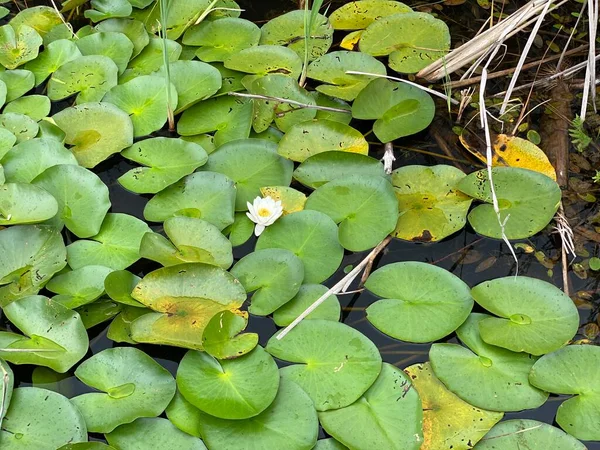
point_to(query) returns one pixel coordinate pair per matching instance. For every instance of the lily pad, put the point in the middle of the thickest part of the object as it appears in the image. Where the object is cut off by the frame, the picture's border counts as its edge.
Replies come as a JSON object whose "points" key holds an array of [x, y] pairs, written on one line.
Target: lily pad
{"points": [[95, 131], [18, 82], [332, 67], [54, 335], [22, 203], [87, 446], [6, 389], [49, 61], [240, 230], [191, 240], [530, 198], [34, 106], [247, 385], [21, 126], [156, 432], [312, 237], [365, 208], [208, 196], [329, 444], [18, 45], [328, 310], [328, 166], [333, 375], [133, 385], [535, 316], [133, 29], [431, 207], [275, 274], [184, 298], [41, 18], [7, 141], [113, 45], [39, 419], [525, 433], [151, 58], [448, 421], [98, 312], [419, 40], [332, 102], [222, 337], [483, 375], [167, 161], [266, 59], [422, 302], [398, 109], [360, 14], [119, 329], [79, 287], [118, 286], [105, 9], [82, 198], [251, 164], [115, 246], [572, 371], [291, 199], [25, 269], [289, 30]]}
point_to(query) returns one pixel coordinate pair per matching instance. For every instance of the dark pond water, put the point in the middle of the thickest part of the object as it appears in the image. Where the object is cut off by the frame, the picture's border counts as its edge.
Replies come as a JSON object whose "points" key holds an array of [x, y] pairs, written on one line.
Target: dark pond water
{"points": [[472, 258]]}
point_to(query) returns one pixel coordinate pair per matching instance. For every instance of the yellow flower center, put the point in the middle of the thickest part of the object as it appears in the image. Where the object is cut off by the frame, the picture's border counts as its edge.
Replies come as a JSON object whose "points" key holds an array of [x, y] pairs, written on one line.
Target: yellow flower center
{"points": [[264, 212]]}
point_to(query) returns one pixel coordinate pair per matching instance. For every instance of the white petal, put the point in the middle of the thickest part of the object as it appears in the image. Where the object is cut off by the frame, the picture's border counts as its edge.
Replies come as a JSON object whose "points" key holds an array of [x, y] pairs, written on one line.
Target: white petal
{"points": [[258, 229], [251, 217]]}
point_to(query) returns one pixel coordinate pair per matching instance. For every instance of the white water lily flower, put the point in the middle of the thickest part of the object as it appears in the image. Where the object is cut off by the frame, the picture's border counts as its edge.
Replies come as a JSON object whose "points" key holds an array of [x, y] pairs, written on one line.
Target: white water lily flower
{"points": [[264, 212]]}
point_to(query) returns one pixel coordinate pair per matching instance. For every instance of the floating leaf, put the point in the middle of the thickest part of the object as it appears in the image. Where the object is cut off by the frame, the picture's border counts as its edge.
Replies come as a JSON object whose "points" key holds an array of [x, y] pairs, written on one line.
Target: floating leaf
{"points": [[95, 131], [120, 328], [21, 126], [328, 310], [421, 302], [312, 237], [222, 339], [54, 335], [317, 136], [98, 312], [388, 415], [291, 199], [105, 9], [87, 446], [431, 207], [209, 196], [332, 67], [119, 284], [529, 198], [483, 375], [133, 29], [7, 141], [18, 45], [79, 287], [366, 209], [240, 230], [133, 385], [115, 246], [335, 375], [329, 444], [6, 389], [18, 82], [34, 106], [39, 419], [41, 18], [151, 58], [113, 45], [49, 61], [22, 203], [360, 14], [448, 421], [572, 371], [332, 102], [275, 274], [266, 59]]}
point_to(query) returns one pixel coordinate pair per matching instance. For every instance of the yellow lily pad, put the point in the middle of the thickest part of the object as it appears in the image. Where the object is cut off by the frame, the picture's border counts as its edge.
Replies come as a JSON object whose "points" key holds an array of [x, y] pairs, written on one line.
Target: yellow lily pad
{"points": [[291, 199]]}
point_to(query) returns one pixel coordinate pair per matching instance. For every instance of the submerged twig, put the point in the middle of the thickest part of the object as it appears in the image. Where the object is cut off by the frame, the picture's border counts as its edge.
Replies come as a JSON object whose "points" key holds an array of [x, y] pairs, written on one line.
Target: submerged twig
{"points": [[290, 102]]}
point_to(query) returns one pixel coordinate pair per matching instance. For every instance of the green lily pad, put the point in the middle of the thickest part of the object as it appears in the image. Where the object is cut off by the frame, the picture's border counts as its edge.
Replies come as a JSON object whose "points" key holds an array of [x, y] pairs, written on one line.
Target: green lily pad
{"points": [[152, 433], [231, 80], [184, 298], [246, 385], [21, 126], [230, 117], [27, 160], [18, 82], [275, 274], [360, 14], [431, 207], [7, 141], [18, 45], [41, 18], [266, 59], [329, 444], [22, 203], [6, 389], [191, 240], [49, 61], [332, 67], [388, 415], [251, 164], [87, 446], [133, 385], [525, 433], [366, 209], [290, 422], [535, 316], [34, 106], [309, 138], [133, 29], [25, 269], [332, 102], [119, 329], [98, 312], [208, 196], [118, 286], [90, 77], [312, 237], [328, 166], [530, 198], [222, 337], [222, 38], [483, 375], [54, 335], [167, 161], [419, 40], [289, 30], [113, 45], [241, 229], [333, 375], [398, 109], [573, 370], [81, 195], [95, 131], [151, 59], [421, 302], [181, 15], [185, 416], [115, 246], [328, 310], [79, 287], [106, 9], [39, 419], [448, 421]]}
